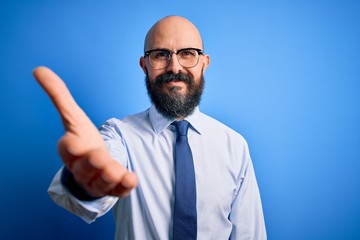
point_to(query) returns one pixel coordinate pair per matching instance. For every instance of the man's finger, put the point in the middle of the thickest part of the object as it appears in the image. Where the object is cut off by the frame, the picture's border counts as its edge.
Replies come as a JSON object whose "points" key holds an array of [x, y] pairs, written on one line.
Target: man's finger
{"points": [[129, 182], [59, 94]]}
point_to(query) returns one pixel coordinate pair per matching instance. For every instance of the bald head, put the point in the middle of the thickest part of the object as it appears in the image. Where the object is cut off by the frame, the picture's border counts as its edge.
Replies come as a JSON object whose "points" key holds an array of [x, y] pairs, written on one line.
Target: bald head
{"points": [[173, 33]]}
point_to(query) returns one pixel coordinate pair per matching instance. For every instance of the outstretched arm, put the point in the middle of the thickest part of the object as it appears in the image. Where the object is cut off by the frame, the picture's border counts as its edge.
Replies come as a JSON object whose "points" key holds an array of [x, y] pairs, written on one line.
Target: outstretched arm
{"points": [[82, 148]]}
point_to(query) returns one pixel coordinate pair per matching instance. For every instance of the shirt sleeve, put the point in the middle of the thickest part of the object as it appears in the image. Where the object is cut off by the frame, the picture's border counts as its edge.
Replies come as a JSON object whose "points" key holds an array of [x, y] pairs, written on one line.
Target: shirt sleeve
{"points": [[90, 210], [86, 210], [247, 214]]}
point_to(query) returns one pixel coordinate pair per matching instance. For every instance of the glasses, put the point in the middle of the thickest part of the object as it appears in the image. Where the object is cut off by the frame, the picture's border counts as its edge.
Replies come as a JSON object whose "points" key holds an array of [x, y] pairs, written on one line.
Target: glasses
{"points": [[187, 57]]}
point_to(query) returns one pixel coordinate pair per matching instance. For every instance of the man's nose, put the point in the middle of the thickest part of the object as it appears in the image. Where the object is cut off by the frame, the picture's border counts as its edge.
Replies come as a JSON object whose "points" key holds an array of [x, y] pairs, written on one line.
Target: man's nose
{"points": [[174, 65]]}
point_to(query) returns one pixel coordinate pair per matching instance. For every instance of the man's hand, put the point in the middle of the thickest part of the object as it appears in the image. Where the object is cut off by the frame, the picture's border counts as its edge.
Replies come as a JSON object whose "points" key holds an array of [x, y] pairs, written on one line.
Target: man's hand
{"points": [[82, 148]]}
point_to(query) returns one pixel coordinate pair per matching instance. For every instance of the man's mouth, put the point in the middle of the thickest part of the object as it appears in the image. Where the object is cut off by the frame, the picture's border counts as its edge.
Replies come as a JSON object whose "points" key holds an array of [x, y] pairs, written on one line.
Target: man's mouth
{"points": [[175, 85]]}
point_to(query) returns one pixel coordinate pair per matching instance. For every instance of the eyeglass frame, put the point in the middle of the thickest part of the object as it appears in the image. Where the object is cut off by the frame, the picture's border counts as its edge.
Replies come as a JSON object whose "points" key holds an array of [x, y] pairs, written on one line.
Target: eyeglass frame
{"points": [[199, 52]]}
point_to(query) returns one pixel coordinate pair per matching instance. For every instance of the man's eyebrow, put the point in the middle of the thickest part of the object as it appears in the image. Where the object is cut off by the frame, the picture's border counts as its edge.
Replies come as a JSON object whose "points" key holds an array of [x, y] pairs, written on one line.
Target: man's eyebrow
{"points": [[159, 49], [165, 49]]}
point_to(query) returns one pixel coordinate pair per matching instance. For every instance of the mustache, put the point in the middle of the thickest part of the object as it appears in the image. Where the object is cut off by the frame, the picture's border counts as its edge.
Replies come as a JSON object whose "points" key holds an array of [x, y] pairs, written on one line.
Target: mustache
{"points": [[168, 77]]}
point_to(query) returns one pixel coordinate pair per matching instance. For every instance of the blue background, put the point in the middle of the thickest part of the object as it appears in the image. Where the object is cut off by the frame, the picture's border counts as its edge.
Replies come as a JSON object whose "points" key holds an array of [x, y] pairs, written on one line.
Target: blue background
{"points": [[285, 74]]}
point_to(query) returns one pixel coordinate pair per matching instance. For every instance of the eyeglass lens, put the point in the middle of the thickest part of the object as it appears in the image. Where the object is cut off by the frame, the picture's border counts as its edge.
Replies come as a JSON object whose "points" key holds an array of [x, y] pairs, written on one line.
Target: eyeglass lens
{"points": [[187, 58]]}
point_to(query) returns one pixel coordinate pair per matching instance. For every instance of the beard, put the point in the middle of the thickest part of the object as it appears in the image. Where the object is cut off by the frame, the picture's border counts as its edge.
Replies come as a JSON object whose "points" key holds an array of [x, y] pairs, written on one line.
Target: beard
{"points": [[172, 104]]}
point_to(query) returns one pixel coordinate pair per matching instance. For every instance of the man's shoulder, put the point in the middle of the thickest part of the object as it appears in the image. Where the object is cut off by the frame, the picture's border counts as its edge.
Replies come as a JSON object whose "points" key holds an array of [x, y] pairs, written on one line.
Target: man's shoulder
{"points": [[133, 119], [139, 116], [216, 126]]}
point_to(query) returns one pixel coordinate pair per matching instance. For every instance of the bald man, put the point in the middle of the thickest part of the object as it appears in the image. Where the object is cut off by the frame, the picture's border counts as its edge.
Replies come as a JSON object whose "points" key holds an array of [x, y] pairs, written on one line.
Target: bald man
{"points": [[128, 165]]}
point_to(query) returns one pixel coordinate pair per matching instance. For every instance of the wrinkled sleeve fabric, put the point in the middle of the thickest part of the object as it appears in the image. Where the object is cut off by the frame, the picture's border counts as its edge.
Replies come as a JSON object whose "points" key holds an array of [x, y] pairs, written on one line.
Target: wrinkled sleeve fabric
{"points": [[86, 210], [247, 213], [89, 210]]}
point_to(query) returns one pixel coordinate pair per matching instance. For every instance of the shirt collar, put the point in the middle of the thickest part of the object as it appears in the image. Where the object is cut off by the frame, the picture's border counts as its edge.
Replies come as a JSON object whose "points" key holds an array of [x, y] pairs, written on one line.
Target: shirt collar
{"points": [[160, 123], [194, 120]]}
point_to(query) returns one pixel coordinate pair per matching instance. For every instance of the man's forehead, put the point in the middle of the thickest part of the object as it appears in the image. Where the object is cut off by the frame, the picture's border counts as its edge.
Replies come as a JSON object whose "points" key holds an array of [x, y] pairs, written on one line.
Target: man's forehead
{"points": [[173, 42]]}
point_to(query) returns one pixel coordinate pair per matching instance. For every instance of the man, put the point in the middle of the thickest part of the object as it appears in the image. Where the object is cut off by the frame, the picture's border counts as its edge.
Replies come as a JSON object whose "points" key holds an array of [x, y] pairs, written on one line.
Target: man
{"points": [[132, 165]]}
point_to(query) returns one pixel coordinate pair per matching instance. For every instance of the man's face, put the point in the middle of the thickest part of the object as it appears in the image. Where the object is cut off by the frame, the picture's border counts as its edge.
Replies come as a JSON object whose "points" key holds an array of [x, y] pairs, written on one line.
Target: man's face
{"points": [[175, 90]]}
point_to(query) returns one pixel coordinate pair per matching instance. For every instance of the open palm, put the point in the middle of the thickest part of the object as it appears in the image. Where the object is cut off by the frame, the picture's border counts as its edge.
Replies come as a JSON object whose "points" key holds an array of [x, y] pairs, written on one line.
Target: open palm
{"points": [[82, 148]]}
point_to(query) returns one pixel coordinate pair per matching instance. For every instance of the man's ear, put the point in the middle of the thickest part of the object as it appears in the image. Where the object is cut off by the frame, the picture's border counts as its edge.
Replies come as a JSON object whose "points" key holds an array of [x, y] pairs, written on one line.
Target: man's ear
{"points": [[206, 61], [143, 64]]}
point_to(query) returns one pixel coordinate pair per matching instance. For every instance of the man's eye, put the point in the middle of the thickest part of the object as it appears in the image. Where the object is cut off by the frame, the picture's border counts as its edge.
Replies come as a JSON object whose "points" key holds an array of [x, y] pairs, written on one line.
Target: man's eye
{"points": [[187, 53], [160, 55]]}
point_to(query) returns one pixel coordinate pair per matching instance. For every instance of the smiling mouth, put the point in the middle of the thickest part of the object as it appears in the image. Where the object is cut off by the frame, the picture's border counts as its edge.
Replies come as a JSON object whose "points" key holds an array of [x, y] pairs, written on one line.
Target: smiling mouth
{"points": [[176, 82], [175, 86]]}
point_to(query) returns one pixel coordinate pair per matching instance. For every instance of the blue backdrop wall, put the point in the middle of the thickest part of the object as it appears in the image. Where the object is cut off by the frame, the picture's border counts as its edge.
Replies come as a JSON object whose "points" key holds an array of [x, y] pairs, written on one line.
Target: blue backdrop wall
{"points": [[285, 74]]}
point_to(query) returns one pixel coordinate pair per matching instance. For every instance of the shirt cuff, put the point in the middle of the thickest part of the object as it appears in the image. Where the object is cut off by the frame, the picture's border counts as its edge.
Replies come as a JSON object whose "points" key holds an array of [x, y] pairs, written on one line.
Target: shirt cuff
{"points": [[69, 182]]}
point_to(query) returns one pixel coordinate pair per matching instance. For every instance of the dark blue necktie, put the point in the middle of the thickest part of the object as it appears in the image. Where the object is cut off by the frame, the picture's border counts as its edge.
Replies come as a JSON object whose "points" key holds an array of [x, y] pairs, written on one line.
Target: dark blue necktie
{"points": [[185, 223]]}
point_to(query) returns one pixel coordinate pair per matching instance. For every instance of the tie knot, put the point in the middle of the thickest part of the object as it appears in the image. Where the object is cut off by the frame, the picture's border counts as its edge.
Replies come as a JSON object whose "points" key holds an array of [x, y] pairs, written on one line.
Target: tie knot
{"points": [[181, 127]]}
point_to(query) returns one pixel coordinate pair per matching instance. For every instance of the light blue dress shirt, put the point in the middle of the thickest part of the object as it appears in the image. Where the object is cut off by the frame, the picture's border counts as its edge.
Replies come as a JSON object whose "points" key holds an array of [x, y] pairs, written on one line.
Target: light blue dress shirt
{"points": [[228, 199]]}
